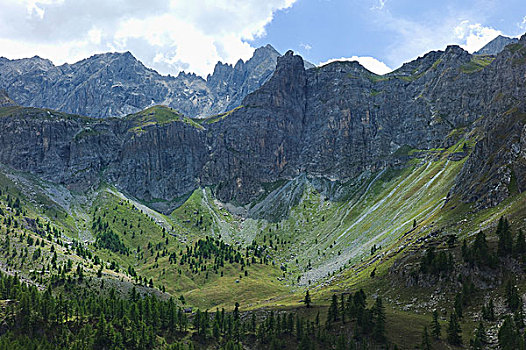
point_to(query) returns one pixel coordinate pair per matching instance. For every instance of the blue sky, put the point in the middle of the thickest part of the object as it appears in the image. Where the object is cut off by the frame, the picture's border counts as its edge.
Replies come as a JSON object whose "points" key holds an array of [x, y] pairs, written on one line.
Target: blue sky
{"points": [[392, 31], [190, 35]]}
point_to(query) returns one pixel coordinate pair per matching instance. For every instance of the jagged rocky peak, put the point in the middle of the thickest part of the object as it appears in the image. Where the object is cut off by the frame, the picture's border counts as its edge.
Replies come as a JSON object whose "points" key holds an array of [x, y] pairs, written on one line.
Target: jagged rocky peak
{"points": [[289, 59], [28, 65], [456, 54], [285, 89], [452, 56], [265, 54], [240, 64], [289, 68], [121, 61], [127, 55], [265, 51], [455, 50], [496, 45], [5, 101], [39, 60]]}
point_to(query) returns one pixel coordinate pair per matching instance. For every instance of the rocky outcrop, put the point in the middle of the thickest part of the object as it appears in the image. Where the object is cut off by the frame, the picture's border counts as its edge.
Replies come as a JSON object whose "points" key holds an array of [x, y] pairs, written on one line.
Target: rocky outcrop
{"points": [[5, 101], [233, 83], [332, 123]]}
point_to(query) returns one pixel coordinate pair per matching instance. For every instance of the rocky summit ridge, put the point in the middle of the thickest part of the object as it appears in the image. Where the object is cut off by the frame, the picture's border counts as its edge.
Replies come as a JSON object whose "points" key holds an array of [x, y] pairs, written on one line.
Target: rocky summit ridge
{"points": [[117, 84]]}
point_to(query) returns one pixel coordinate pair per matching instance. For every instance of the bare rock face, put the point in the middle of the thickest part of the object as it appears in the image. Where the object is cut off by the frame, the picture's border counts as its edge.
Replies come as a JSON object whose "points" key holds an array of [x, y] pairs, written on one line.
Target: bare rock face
{"points": [[233, 83], [496, 45], [497, 165], [260, 142], [331, 123]]}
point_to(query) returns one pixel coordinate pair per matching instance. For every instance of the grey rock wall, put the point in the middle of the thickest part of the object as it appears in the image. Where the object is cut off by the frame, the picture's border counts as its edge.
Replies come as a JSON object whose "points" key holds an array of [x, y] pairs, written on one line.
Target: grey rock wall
{"points": [[332, 122]]}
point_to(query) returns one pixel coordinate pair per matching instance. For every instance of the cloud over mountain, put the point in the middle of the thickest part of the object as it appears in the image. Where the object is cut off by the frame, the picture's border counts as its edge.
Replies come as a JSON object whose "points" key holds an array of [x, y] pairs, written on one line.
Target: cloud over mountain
{"points": [[168, 36]]}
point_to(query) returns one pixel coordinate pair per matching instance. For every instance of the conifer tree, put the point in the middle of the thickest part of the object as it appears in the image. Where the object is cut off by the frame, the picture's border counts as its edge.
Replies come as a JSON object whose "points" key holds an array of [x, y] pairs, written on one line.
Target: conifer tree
{"points": [[307, 299], [520, 245], [426, 344], [505, 244], [513, 298], [454, 332], [342, 308], [379, 320], [508, 337], [236, 311], [332, 313], [465, 251], [435, 326], [518, 317], [480, 337], [458, 305], [253, 323], [341, 344], [491, 310], [480, 251]]}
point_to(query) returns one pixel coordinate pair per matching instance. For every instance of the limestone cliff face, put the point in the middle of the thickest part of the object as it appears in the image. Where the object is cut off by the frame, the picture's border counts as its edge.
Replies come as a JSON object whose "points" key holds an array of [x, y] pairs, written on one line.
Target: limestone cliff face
{"points": [[333, 122], [261, 141], [153, 162], [162, 162]]}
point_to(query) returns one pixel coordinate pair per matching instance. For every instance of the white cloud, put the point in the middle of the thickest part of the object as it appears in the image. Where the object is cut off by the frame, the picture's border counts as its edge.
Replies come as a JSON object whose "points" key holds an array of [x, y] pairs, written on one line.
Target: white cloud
{"points": [[379, 5], [33, 8], [305, 46], [166, 35], [370, 63], [473, 36], [412, 39]]}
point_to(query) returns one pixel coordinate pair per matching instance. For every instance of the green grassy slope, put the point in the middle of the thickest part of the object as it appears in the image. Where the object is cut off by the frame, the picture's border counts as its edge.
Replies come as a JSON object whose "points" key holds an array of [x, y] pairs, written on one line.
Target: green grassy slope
{"points": [[159, 115]]}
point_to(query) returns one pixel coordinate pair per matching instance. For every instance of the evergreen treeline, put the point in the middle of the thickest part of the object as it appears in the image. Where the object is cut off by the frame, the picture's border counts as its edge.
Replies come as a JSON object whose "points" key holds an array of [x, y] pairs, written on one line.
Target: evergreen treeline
{"points": [[106, 238], [86, 321], [39, 319]]}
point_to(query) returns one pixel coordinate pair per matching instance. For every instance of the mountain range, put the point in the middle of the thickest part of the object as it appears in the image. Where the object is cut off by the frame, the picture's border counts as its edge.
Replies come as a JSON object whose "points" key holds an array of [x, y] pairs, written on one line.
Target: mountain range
{"points": [[117, 84], [333, 122]]}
